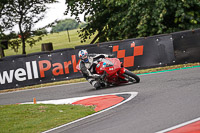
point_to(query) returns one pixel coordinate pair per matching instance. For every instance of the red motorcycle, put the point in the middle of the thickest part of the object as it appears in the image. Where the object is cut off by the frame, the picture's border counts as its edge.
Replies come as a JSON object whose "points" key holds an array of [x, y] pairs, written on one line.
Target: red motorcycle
{"points": [[114, 72]]}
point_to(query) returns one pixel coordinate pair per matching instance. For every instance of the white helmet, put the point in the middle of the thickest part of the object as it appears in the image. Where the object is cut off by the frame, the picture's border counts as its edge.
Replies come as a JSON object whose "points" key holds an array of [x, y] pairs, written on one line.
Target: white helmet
{"points": [[83, 55]]}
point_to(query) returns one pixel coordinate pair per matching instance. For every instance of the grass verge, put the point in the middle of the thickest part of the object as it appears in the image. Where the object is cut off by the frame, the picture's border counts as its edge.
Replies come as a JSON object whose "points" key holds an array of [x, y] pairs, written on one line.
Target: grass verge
{"points": [[35, 118], [166, 68], [59, 40], [83, 80]]}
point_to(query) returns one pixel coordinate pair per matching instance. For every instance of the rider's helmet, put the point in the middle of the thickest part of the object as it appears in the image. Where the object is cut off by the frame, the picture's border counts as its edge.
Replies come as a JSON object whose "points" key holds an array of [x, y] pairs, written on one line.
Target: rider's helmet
{"points": [[83, 55]]}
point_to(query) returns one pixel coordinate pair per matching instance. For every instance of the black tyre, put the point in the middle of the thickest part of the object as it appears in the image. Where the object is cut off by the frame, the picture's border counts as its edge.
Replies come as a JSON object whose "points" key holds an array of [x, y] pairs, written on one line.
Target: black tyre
{"points": [[131, 76]]}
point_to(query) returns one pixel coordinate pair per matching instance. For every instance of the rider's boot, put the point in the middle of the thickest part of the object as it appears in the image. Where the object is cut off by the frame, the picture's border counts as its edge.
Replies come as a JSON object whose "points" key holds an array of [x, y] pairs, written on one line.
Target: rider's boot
{"points": [[97, 85], [103, 84]]}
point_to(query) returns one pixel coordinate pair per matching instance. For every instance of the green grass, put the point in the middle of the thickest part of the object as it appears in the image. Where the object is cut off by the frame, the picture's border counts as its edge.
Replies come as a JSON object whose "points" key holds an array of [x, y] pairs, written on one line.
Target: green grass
{"points": [[166, 68], [60, 40], [35, 118]]}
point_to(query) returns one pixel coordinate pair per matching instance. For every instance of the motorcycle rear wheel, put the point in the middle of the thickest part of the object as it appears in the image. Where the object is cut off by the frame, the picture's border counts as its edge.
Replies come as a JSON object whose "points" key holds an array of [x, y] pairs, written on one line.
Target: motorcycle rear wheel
{"points": [[131, 76]]}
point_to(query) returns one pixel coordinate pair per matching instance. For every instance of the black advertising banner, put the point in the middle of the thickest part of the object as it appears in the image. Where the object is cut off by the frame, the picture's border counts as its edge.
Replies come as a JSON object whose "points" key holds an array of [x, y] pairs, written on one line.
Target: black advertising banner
{"points": [[143, 53], [37, 69], [64, 65], [187, 46], [43, 67], [12, 73], [120, 41], [22, 71], [85, 46], [40, 63], [162, 47], [100, 50]]}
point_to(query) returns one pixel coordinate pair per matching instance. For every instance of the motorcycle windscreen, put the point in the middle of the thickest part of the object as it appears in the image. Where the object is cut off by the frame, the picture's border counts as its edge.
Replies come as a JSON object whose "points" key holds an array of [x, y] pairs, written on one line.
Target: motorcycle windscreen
{"points": [[107, 63], [103, 65]]}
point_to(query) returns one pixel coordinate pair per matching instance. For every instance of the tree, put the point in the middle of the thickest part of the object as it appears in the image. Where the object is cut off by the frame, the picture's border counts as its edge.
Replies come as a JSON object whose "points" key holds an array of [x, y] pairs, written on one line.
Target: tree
{"points": [[40, 32], [63, 25], [122, 19], [6, 23], [24, 13]]}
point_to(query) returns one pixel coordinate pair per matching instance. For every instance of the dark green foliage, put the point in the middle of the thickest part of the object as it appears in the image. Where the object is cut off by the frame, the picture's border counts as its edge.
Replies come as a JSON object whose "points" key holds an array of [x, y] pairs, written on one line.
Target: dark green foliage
{"points": [[5, 22], [63, 25], [40, 32], [15, 43], [122, 19], [82, 25]]}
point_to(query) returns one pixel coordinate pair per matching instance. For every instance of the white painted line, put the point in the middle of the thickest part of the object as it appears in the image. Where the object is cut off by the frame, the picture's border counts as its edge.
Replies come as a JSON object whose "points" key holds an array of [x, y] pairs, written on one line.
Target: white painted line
{"points": [[133, 94], [180, 125], [68, 100]]}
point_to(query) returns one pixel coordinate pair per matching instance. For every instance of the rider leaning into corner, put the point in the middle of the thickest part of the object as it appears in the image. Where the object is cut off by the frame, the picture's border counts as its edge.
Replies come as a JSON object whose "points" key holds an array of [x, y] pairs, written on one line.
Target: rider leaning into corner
{"points": [[87, 66]]}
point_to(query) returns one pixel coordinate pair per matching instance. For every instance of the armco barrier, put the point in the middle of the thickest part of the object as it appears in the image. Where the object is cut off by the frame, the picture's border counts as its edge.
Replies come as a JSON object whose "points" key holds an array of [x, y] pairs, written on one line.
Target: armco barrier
{"points": [[44, 67]]}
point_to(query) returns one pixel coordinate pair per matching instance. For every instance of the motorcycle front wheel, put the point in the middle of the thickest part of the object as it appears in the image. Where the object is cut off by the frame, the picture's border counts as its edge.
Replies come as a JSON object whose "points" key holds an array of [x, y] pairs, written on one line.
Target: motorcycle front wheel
{"points": [[131, 76]]}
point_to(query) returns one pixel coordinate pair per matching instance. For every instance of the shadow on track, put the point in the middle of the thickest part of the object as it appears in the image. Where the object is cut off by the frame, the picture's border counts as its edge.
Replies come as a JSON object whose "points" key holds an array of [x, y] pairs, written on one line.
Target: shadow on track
{"points": [[109, 87]]}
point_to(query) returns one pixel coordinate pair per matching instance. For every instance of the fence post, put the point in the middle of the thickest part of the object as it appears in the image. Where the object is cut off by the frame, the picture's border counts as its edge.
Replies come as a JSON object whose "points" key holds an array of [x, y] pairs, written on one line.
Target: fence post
{"points": [[2, 52]]}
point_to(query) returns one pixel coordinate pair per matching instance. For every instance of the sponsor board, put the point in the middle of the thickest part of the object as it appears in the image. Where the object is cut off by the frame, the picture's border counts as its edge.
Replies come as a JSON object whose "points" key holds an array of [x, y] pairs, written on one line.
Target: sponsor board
{"points": [[55, 66]]}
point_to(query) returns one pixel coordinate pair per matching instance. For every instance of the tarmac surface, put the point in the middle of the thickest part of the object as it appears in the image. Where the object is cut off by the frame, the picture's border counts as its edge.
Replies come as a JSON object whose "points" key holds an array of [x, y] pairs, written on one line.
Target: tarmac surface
{"points": [[163, 101]]}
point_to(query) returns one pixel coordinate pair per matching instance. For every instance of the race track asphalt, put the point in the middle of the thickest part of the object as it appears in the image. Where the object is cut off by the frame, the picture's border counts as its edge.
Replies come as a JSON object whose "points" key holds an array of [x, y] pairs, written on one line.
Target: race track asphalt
{"points": [[164, 100]]}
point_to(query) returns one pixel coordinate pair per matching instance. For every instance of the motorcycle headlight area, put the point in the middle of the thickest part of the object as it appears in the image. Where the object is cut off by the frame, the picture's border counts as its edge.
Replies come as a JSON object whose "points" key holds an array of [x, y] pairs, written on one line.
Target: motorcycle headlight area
{"points": [[104, 64]]}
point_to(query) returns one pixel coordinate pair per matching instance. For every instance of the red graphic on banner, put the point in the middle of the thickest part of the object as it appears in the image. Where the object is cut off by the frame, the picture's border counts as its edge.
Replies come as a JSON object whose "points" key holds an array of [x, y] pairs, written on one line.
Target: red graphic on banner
{"points": [[129, 60]]}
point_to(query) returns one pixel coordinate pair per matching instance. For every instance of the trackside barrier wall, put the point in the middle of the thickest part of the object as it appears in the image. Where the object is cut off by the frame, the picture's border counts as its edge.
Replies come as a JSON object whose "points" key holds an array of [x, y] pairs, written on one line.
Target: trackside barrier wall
{"points": [[144, 52], [136, 53], [187, 46], [42, 67]]}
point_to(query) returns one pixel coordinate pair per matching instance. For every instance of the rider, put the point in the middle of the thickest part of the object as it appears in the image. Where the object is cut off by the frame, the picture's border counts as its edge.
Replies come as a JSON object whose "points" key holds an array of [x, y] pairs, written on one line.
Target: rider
{"points": [[87, 66]]}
